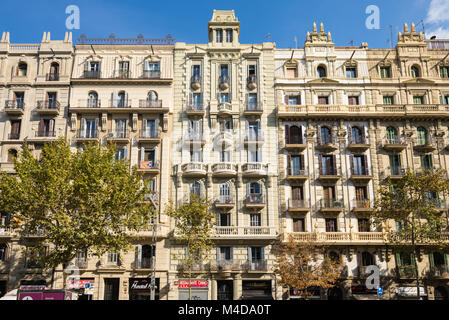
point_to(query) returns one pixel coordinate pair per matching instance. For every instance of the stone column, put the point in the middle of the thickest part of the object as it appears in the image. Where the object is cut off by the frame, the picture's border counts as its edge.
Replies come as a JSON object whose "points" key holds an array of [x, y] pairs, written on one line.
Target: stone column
{"points": [[237, 287], [213, 285]]}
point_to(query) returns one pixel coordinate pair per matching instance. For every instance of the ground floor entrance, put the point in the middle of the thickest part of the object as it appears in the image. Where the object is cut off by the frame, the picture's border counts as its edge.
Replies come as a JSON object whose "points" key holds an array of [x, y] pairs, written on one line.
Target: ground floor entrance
{"points": [[256, 290], [2, 288], [140, 288], [225, 290], [111, 288]]}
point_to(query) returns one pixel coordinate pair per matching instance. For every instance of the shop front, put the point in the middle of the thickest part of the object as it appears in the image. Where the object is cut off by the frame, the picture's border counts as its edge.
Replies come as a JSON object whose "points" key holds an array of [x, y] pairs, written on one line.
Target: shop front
{"points": [[256, 290], [140, 289], [314, 293], [84, 286], [410, 293], [199, 289]]}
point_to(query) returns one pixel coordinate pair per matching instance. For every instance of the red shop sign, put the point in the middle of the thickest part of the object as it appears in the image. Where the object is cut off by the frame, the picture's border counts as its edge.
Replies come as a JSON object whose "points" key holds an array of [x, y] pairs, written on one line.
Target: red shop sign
{"points": [[184, 284]]}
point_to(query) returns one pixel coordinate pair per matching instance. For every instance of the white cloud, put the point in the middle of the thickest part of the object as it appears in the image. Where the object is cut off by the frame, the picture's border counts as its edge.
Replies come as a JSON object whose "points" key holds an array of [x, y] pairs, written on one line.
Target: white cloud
{"points": [[438, 11], [441, 33]]}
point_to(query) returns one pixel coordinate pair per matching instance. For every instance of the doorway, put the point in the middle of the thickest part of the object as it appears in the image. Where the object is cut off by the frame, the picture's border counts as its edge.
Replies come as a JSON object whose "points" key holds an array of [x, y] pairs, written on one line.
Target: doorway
{"points": [[111, 288], [225, 290]]}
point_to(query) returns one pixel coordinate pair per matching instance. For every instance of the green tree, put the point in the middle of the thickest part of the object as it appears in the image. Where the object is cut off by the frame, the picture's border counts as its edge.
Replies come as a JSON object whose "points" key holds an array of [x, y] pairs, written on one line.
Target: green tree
{"points": [[413, 203], [82, 202], [193, 227], [305, 265]]}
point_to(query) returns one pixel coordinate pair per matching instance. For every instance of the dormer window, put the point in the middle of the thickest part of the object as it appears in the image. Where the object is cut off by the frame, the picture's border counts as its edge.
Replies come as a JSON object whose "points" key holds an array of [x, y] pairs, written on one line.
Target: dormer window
{"points": [[219, 35], [22, 69], [290, 72], [415, 72], [444, 72], [351, 72], [353, 100], [151, 69], [321, 72], [385, 72]]}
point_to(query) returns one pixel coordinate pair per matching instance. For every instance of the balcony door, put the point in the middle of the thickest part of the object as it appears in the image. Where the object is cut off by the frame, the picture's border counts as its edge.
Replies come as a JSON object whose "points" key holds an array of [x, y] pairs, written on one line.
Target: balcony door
{"points": [[225, 192], [395, 164], [120, 128], [392, 135], [297, 193], [149, 128], [358, 164], [422, 136], [255, 256], [295, 164], [326, 135], [327, 163], [356, 135], [331, 224], [91, 128], [328, 195], [51, 98], [47, 128]]}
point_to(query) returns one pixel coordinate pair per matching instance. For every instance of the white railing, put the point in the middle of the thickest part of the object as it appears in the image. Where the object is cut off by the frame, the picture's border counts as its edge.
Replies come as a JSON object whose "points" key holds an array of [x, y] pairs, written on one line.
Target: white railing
{"points": [[244, 232], [337, 236]]}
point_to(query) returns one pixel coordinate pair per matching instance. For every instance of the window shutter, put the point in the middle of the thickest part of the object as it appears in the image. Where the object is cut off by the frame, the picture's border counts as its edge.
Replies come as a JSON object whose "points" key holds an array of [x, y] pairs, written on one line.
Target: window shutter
{"points": [[249, 255], [126, 100], [350, 134], [144, 126], [139, 256], [41, 125], [83, 127], [287, 134], [156, 126], [218, 253], [318, 135], [51, 125], [232, 253], [262, 255], [320, 163], [302, 164], [142, 154], [431, 260], [285, 98], [365, 164], [114, 98], [334, 164], [363, 135], [289, 166], [351, 161], [156, 155], [87, 66]]}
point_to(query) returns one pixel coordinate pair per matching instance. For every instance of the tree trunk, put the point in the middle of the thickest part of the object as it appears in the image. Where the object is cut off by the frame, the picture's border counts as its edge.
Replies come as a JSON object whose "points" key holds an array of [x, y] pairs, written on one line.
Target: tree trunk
{"points": [[52, 276], [414, 259]]}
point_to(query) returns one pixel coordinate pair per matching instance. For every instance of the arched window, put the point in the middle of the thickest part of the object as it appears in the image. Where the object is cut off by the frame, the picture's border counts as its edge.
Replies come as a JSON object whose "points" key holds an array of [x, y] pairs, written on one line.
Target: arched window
{"points": [[392, 135], [22, 69], [367, 259], [356, 135], [225, 193], [326, 135], [3, 249], [152, 96], [415, 72], [422, 136], [54, 72], [12, 154], [321, 71], [295, 135], [92, 100]]}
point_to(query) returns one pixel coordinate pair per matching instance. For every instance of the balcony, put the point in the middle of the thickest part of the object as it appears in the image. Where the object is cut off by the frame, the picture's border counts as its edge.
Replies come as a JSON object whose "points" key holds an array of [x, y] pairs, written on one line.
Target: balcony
{"points": [[6, 231], [194, 169], [231, 232], [52, 76], [326, 144], [251, 82], [149, 136], [43, 136], [226, 266], [406, 271], [195, 109], [254, 201], [195, 82], [224, 139], [360, 174], [224, 108], [225, 202], [195, 138], [121, 74], [439, 272], [223, 82], [253, 108], [254, 169], [91, 74], [145, 263], [48, 107], [361, 238], [330, 205], [298, 205], [86, 106], [362, 206], [224, 169], [118, 136], [152, 106], [395, 144], [295, 144], [395, 173], [13, 136], [81, 263], [296, 174], [119, 103], [256, 266], [151, 74], [196, 267], [254, 138], [331, 175], [149, 167], [425, 145], [358, 145], [87, 136], [14, 107]]}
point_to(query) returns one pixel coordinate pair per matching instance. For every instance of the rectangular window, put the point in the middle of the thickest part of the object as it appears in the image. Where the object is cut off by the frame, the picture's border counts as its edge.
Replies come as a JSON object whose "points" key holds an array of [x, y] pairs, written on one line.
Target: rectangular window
{"points": [[113, 257], [298, 225], [252, 101], [351, 72], [229, 35], [294, 100], [219, 35], [151, 66], [224, 70], [255, 220], [224, 220], [196, 70], [385, 72], [121, 154], [15, 129], [331, 224], [445, 99], [364, 225], [224, 97], [353, 100], [426, 162], [388, 100], [225, 253], [197, 101], [323, 100], [418, 100], [252, 71]]}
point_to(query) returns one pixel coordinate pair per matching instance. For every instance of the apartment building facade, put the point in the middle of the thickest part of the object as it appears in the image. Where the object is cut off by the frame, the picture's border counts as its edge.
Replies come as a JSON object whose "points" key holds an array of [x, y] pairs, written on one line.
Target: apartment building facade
{"points": [[350, 117], [34, 94], [224, 135]]}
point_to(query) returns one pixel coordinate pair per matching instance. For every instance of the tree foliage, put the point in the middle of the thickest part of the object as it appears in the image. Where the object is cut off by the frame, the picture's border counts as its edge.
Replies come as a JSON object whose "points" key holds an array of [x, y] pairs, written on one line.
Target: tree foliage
{"points": [[414, 202], [82, 202], [304, 266]]}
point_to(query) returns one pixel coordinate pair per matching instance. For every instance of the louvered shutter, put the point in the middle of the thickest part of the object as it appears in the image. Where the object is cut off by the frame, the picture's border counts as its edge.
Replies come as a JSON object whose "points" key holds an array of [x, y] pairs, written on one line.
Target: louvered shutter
{"points": [[350, 141], [318, 135], [320, 163], [351, 161], [287, 134], [431, 260], [156, 155], [363, 135], [145, 128], [302, 164], [249, 255], [142, 154], [156, 127], [95, 133], [365, 165], [139, 256], [218, 253], [285, 98], [51, 127], [41, 126], [83, 127], [289, 166], [334, 164]]}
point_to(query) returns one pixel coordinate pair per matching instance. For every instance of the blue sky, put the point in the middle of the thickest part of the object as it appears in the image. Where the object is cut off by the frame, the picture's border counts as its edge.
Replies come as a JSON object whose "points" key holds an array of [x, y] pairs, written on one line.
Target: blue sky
{"points": [[26, 20]]}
